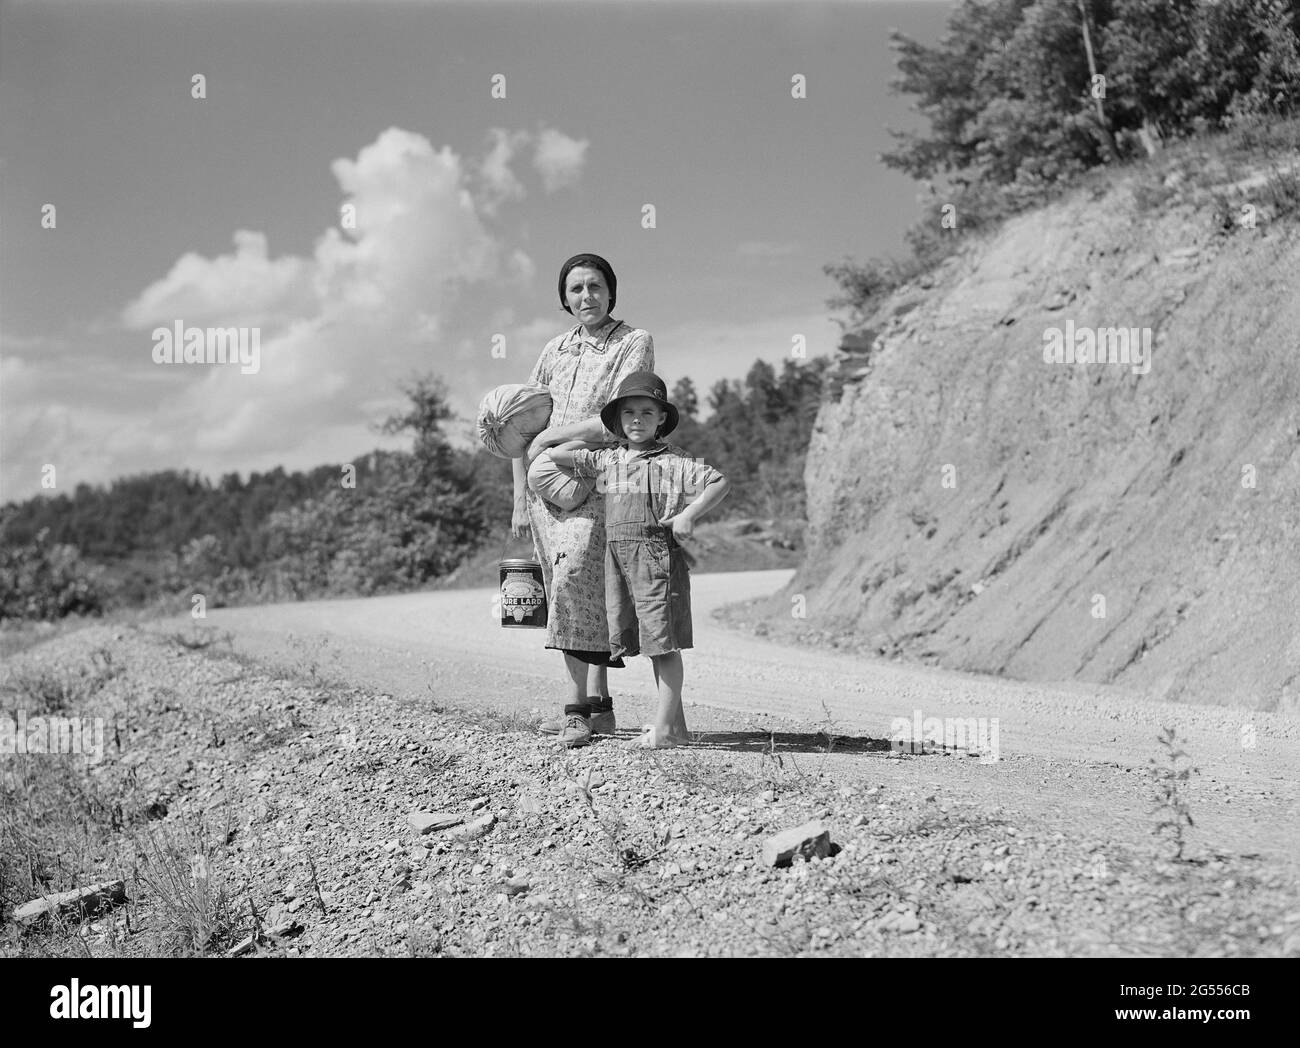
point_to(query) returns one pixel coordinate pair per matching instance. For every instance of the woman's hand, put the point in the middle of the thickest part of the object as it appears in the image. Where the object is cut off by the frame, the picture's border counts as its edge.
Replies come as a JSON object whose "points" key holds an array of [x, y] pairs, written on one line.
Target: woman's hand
{"points": [[519, 525], [540, 443]]}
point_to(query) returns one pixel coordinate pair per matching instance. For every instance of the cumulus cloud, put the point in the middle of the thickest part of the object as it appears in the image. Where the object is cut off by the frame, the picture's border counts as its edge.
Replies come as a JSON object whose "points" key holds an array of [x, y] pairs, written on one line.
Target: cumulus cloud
{"points": [[559, 159], [406, 291], [420, 233], [246, 287], [499, 182], [67, 433], [385, 296]]}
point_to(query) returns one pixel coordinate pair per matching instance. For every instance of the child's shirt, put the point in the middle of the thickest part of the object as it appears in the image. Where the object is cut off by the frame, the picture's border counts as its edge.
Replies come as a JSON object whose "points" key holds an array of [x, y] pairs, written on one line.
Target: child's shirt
{"points": [[673, 477]]}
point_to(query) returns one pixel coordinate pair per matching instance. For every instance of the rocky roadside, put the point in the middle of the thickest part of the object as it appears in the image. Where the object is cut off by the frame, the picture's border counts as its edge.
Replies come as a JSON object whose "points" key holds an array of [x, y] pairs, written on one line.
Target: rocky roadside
{"points": [[256, 813]]}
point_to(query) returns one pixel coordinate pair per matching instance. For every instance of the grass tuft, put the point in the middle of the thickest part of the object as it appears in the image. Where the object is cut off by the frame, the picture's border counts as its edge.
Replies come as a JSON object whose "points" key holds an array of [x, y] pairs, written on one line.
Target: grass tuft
{"points": [[195, 913]]}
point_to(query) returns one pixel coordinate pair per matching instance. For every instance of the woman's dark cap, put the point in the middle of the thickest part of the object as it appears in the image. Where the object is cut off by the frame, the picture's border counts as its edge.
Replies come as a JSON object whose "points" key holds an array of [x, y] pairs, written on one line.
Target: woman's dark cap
{"points": [[595, 262]]}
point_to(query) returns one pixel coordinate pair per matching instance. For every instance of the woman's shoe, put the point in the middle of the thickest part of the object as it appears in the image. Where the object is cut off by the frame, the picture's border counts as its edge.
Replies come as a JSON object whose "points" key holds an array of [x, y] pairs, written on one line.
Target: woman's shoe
{"points": [[602, 716], [577, 732], [601, 719]]}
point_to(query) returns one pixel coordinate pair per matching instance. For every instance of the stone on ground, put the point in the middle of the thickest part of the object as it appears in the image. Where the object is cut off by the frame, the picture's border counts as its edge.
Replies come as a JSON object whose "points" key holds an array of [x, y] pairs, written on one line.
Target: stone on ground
{"points": [[809, 840]]}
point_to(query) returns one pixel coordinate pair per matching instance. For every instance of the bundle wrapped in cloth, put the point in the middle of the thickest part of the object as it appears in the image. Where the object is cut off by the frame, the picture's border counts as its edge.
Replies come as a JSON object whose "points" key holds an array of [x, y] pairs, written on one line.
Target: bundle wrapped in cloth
{"points": [[511, 416], [558, 485]]}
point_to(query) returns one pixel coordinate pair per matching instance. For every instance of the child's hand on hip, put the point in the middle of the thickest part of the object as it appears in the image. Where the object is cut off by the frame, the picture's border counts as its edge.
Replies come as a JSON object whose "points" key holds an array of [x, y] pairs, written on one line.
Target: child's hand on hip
{"points": [[682, 525]]}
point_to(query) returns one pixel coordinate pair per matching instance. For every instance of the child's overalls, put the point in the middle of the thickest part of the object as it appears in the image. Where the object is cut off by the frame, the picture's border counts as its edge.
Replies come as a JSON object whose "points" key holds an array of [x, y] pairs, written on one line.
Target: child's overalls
{"points": [[647, 576]]}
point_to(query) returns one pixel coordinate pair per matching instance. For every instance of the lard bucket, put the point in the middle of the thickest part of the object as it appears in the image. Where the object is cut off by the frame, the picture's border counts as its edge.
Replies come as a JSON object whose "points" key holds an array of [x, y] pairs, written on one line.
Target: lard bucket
{"points": [[523, 594]]}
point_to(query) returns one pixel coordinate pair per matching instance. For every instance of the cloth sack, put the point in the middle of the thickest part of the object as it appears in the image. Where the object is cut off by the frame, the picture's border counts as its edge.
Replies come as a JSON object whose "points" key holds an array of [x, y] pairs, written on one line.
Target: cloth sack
{"points": [[511, 416], [557, 484]]}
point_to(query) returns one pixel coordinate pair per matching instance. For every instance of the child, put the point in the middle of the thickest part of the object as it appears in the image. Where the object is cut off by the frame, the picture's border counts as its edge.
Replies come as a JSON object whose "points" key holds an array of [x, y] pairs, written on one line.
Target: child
{"points": [[653, 495]]}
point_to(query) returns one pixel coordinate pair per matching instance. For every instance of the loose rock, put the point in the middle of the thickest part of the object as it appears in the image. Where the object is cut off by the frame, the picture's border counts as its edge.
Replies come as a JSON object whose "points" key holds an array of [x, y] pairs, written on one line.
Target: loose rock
{"points": [[472, 829], [423, 822], [80, 902], [809, 840]]}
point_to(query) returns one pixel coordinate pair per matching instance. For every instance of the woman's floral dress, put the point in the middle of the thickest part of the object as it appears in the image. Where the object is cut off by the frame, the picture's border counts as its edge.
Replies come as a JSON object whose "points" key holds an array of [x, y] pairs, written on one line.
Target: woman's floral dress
{"points": [[582, 373]]}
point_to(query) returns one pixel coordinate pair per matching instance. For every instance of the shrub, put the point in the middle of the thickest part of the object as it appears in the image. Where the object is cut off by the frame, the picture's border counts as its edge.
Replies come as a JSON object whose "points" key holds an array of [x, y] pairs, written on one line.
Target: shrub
{"points": [[1281, 193], [864, 285], [44, 580]]}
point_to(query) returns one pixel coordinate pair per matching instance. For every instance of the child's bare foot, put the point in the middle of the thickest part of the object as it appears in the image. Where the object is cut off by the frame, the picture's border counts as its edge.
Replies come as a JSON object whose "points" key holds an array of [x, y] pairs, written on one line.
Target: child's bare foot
{"points": [[658, 739]]}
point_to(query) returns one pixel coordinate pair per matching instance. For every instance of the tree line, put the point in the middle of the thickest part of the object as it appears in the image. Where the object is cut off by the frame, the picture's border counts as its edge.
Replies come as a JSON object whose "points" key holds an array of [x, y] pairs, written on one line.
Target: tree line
{"points": [[391, 521]]}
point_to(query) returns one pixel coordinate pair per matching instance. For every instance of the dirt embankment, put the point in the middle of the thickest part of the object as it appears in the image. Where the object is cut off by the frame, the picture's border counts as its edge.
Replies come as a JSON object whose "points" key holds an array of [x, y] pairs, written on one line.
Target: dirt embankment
{"points": [[974, 506]]}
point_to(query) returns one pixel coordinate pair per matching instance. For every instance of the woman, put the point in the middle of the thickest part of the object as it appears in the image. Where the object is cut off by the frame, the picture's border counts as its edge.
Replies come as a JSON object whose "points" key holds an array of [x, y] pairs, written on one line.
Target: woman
{"points": [[582, 368]]}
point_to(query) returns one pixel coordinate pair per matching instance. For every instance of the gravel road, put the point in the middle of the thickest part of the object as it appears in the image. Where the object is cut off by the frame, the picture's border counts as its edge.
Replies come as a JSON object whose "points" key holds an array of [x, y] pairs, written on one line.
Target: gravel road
{"points": [[1074, 757], [363, 778]]}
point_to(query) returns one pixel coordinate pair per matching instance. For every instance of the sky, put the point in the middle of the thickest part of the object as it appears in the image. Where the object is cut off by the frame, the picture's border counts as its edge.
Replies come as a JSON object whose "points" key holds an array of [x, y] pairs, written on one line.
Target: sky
{"points": [[342, 183]]}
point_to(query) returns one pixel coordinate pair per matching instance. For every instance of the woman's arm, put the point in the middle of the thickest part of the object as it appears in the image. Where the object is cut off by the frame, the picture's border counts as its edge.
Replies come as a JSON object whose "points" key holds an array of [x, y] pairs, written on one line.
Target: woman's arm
{"points": [[521, 479], [564, 456], [519, 513], [590, 431]]}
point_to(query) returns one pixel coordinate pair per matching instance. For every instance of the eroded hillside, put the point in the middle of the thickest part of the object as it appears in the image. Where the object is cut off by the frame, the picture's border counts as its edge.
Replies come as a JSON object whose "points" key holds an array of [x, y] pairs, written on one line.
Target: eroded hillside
{"points": [[974, 505]]}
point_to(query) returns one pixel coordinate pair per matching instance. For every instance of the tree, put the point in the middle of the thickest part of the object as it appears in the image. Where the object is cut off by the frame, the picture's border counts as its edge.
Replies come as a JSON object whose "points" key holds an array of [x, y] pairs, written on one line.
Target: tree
{"points": [[1257, 47], [1010, 98], [944, 81], [762, 396], [436, 501], [685, 397], [1103, 125], [1153, 71], [423, 419]]}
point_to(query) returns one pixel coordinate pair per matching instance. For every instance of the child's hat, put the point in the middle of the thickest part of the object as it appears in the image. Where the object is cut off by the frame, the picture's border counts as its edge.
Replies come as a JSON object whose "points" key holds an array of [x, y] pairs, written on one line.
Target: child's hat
{"points": [[639, 384]]}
